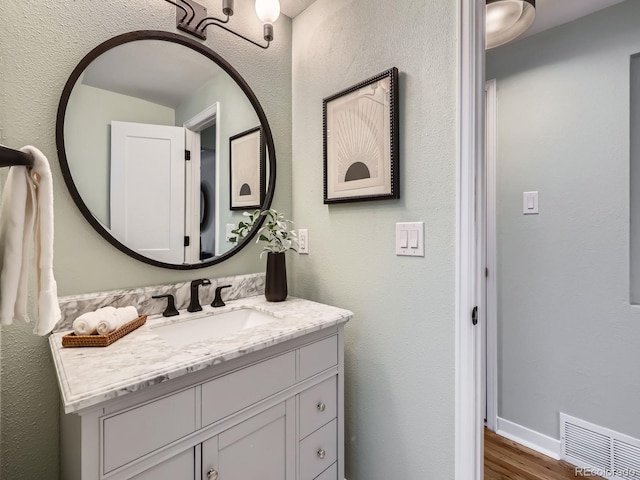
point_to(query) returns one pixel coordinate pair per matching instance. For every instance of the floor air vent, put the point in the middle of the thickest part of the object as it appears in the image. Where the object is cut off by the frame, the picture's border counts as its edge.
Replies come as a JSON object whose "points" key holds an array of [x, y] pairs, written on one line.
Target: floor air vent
{"points": [[599, 451]]}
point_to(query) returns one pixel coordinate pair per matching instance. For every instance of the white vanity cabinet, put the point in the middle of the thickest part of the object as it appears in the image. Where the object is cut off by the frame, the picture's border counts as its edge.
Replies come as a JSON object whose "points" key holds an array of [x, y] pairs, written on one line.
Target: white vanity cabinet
{"points": [[274, 414], [256, 449]]}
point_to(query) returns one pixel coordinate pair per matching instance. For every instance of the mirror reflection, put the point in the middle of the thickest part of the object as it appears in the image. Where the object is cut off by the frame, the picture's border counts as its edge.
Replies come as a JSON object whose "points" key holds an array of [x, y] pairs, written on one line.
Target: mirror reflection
{"points": [[148, 134]]}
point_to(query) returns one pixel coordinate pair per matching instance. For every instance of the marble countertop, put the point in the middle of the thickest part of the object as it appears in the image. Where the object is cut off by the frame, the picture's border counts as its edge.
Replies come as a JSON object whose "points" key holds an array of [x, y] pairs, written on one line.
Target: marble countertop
{"points": [[91, 375]]}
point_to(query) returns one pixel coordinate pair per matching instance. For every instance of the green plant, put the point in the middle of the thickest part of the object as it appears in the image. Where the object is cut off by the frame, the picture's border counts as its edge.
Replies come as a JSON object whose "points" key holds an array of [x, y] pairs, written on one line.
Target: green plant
{"points": [[274, 231]]}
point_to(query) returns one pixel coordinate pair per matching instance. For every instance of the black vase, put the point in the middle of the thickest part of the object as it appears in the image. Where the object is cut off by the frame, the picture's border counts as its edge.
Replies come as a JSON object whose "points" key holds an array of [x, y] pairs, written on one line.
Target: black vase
{"points": [[275, 288]]}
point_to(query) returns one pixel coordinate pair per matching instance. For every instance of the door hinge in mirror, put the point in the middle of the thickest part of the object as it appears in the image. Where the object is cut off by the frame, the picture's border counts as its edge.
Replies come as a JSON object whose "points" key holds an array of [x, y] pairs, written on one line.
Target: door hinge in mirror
{"points": [[187, 154], [474, 315], [187, 241]]}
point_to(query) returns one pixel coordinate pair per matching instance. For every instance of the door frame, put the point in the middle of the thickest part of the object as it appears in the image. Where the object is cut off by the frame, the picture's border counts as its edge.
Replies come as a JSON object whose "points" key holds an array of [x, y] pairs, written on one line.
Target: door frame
{"points": [[491, 250], [193, 127], [469, 240]]}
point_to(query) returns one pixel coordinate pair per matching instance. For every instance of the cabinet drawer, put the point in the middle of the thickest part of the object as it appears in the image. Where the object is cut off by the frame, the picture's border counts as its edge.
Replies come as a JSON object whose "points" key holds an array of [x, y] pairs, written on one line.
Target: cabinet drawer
{"points": [[141, 430], [317, 357], [330, 473], [318, 406], [182, 465], [318, 451], [235, 391]]}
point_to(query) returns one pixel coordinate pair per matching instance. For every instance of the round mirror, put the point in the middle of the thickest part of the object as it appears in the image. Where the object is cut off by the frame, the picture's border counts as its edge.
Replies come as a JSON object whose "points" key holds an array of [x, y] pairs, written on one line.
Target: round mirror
{"points": [[163, 146]]}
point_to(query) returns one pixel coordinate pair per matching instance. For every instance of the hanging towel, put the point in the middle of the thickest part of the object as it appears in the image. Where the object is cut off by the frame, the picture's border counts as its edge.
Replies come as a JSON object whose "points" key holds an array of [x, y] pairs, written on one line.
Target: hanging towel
{"points": [[26, 218]]}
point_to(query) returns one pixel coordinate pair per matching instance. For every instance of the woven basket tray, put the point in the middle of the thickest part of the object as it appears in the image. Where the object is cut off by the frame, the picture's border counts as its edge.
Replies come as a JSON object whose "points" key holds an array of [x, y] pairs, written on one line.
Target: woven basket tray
{"points": [[73, 340]]}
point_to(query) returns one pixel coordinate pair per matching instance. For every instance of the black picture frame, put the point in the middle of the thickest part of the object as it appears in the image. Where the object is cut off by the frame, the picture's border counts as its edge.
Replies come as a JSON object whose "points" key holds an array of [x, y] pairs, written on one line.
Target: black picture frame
{"points": [[247, 170], [361, 141]]}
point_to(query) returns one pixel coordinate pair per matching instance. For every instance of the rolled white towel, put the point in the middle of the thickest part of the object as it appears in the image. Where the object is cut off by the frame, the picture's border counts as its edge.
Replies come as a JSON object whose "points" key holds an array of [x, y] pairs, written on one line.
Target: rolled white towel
{"points": [[86, 324], [126, 314], [114, 320], [108, 321]]}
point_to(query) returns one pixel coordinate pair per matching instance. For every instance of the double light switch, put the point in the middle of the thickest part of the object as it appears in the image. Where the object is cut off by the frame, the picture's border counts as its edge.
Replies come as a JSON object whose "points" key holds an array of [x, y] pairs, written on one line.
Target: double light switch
{"points": [[410, 239]]}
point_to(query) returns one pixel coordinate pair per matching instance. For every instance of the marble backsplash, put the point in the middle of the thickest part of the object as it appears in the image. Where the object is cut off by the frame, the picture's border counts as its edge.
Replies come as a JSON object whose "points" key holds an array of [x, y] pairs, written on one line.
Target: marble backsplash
{"points": [[242, 286]]}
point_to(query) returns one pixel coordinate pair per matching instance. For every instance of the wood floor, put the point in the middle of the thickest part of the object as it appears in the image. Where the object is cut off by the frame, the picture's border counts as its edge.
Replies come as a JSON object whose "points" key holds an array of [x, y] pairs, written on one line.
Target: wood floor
{"points": [[507, 460]]}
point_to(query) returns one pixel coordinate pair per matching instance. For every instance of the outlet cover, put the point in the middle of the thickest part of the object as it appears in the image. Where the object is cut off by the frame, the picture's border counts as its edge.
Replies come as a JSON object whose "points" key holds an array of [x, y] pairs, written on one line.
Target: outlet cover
{"points": [[303, 241], [228, 234]]}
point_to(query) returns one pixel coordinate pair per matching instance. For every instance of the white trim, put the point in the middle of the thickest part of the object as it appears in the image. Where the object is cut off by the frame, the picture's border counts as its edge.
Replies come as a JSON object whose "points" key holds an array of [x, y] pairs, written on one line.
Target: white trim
{"points": [[194, 126], [468, 378], [192, 196], [491, 249], [220, 240], [529, 438], [204, 119]]}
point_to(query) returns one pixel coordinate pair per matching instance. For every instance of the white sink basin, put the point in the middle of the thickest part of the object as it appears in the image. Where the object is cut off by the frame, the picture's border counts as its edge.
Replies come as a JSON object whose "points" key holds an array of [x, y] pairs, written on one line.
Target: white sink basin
{"points": [[212, 325]]}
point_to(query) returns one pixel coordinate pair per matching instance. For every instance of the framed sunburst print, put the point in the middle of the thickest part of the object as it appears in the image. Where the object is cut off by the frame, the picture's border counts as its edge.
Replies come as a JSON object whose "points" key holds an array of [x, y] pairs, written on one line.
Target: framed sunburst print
{"points": [[247, 170], [361, 141]]}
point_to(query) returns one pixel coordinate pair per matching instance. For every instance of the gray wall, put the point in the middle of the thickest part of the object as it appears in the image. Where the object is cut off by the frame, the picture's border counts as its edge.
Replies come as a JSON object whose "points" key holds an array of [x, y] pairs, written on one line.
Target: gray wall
{"points": [[568, 334], [400, 344], [88, 139], [40, 46]]}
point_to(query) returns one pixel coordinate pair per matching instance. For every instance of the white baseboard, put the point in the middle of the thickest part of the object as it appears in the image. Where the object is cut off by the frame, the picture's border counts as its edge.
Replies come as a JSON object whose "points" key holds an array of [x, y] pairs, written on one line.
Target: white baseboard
{"points": [[529, 438]]}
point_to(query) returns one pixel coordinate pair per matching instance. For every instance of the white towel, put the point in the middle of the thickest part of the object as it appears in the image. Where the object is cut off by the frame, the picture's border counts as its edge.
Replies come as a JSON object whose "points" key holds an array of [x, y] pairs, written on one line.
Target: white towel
{"points": [[112, 322], [27, 212], [86, 324]]}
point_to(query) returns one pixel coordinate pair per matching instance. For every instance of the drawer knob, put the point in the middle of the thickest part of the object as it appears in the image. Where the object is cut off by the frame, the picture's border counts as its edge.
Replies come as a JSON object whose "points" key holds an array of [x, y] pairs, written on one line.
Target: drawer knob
{"points": [[212, 474], [321, 454], [321, 406]]}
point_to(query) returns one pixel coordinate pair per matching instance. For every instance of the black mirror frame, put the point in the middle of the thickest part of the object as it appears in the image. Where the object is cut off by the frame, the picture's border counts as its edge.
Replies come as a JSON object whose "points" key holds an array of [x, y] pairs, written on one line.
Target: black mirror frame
{"points": [[222, 63]]}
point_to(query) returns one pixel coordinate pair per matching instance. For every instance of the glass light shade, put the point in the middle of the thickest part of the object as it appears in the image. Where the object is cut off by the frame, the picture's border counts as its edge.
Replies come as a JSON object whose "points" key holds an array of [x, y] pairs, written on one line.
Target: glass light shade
{"points": [[268, 10], [507, 20]]}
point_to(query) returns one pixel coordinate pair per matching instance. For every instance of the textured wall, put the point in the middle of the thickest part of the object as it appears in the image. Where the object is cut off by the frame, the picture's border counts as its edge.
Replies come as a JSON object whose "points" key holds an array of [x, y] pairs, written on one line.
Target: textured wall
{"points": [[40, 44], [568, 334], [400, 344]]}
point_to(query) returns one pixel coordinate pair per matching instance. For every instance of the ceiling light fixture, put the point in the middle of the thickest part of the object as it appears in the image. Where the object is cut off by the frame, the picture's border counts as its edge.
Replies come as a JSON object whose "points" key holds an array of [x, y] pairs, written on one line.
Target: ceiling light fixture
{"points": [[191, 17], [507, 19]]}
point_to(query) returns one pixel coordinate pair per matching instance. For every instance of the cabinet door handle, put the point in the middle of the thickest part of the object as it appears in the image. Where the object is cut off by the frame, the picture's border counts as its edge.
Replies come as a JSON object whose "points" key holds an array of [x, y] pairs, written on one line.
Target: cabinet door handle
{"points": [[212, 474], [321, 406], [321, 453]]}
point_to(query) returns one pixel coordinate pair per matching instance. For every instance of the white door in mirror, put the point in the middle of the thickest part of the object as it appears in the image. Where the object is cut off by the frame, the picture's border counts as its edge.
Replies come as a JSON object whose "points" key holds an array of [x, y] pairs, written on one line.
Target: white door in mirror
{"points": [[147, 189]]}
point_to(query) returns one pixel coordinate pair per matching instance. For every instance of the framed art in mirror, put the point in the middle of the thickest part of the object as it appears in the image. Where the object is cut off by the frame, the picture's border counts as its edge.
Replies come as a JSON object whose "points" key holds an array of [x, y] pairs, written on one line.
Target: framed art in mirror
{"points": [[361, 141], [246, 170]]}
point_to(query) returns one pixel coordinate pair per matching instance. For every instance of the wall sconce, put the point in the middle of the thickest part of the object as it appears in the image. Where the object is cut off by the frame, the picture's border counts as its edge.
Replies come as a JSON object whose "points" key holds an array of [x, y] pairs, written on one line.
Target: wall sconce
{"points": [[508, 19], [191, 17]]}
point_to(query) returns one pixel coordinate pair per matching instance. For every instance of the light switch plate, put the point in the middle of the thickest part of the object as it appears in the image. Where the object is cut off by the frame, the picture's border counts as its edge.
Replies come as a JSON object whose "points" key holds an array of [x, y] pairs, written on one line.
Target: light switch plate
{"points": [[530, 203], [410, 239], [303, 241]]}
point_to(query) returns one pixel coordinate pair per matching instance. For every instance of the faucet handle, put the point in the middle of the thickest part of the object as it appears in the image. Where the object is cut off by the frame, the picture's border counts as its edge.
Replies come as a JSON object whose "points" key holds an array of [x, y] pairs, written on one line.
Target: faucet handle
{"points": [[171, 310], [217, 301]]}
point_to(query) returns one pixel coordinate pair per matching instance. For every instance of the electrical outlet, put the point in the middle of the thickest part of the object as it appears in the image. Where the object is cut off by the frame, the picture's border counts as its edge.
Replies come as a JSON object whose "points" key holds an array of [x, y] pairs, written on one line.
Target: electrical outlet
{"points": [[228, 232], [303, 241]]}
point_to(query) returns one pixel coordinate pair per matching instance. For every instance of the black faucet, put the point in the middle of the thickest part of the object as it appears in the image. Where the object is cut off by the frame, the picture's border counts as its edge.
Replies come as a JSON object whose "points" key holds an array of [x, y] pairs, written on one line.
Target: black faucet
{"points": [[170, 311], [194, 306], [217, 301]]}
